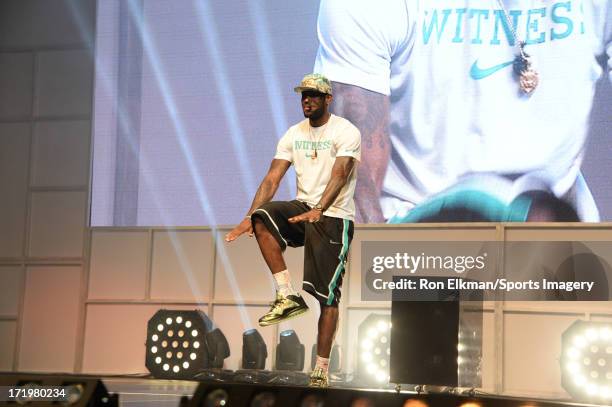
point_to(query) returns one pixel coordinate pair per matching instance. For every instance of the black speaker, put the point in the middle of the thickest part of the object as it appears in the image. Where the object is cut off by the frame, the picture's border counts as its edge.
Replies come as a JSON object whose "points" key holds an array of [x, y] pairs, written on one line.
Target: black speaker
{"points": [[435, 338], [424, 342], [77, 391]]}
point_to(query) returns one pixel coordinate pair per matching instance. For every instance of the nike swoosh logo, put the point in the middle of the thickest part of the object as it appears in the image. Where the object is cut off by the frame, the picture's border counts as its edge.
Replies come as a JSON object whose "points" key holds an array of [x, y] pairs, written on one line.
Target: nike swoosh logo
{"points": [[477, 73], [332, 242]]}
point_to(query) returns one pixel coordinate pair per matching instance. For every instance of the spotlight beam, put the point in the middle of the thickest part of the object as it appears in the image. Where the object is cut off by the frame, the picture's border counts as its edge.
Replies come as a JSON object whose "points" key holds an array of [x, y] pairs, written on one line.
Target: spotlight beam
{"points": [[155, 62], [208, 29], [267, 61], [107, 87]]}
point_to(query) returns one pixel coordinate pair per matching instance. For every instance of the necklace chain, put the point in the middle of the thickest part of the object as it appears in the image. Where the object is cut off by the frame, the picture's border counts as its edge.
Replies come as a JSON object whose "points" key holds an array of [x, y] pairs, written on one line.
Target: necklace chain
{"points": [[528, 77], [317, 140], [517, 43]]}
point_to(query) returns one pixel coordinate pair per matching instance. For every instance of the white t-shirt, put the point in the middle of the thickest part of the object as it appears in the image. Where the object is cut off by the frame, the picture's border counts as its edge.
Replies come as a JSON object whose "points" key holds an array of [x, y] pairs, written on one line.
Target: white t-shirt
{"points": [[456, 108], [336, 138]]}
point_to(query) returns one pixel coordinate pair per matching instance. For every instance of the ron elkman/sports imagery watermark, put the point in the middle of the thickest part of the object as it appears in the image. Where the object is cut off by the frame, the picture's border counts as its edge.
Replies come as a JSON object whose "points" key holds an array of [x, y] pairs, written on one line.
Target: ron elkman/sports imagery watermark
{"points": [[486, 271]]}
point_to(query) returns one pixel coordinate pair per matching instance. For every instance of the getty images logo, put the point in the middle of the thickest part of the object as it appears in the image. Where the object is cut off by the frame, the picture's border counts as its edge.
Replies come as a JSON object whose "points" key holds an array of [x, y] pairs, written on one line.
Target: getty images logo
{"points": [[413, 264]]}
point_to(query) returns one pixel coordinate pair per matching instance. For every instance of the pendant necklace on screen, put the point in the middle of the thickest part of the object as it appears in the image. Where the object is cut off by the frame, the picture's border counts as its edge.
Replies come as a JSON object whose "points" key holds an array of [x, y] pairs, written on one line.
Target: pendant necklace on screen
{"points": [[315, 141], [522, 65]]}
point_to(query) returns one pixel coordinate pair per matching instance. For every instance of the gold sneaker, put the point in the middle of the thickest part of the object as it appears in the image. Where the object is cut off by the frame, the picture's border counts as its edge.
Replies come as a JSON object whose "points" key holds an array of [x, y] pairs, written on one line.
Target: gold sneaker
{"points": [[319, 378], [284, 308]]}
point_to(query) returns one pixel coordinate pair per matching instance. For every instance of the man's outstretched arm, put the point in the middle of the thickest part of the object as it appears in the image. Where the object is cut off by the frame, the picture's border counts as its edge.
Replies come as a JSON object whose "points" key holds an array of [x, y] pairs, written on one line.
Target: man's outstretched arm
{"points": [[265, 193], [369, 112], [343, 166]]}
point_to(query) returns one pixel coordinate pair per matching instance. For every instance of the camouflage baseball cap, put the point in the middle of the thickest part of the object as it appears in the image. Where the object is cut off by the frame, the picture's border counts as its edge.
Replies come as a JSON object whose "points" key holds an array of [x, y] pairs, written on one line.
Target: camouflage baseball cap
{"points": [[314, 81]]}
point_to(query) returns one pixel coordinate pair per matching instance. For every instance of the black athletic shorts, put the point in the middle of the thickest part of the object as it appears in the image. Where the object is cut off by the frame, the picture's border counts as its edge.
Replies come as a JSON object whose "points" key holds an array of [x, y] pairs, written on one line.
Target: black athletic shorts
{"points": [[326, 244]]}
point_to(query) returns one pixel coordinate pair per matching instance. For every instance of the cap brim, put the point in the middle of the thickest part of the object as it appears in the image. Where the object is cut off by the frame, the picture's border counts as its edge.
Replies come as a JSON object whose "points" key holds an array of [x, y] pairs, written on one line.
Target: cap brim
{"points": [[300, 89]]}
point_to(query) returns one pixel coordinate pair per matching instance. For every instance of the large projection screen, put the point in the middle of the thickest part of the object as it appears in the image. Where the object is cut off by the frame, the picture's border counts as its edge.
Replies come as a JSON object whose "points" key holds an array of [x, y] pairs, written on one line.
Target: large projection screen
{"points": [[191, 97]]}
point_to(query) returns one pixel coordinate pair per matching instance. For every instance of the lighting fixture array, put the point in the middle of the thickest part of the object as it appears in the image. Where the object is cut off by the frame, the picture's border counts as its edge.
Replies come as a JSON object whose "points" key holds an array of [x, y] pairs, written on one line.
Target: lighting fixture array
{"points": [[374, 348], [176, 346], [586, 361]]}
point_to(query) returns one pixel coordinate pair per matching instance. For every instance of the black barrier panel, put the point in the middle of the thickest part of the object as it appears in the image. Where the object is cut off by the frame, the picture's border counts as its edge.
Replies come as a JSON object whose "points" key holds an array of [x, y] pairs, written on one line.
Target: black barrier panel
{"points": [[243, 395], [54, 389]]}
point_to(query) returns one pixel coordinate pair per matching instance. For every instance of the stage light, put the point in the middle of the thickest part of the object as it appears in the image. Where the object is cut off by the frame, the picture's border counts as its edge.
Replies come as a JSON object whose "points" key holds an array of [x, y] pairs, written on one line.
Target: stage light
{"points": [[169, 358], [362, 402], [586, 361], [263, 399], [216, 398], [373, 336], [289, 352], [254, 350], [469, 352], [74, 393], [414, 403], [217, 347], [312, 400]]}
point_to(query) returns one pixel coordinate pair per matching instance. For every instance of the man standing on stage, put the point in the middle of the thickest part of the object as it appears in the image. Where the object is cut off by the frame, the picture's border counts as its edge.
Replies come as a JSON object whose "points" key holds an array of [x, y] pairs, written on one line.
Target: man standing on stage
{"points": [[323, 148]]}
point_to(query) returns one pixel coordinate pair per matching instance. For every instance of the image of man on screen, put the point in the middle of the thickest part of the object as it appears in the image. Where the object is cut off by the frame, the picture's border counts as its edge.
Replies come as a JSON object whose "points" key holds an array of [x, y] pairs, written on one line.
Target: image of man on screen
{"points": [[479, 108], [323, 149]]}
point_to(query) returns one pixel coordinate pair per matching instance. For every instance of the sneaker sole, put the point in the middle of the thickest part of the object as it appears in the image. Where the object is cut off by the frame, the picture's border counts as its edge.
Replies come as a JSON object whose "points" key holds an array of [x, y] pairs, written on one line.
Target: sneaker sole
{"points": [[294, 314]]}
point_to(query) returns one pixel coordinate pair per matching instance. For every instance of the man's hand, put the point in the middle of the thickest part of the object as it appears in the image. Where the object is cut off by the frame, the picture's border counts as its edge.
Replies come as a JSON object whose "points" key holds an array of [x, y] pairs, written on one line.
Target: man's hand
{"points": [[264, 194], [312, 216], [246, 226]]}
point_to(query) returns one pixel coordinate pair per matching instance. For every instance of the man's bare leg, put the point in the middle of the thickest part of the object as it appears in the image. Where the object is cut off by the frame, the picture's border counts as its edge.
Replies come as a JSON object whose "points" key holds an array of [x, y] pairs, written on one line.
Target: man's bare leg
{"points": [[328, 322], [270, 249], [288, 302]]}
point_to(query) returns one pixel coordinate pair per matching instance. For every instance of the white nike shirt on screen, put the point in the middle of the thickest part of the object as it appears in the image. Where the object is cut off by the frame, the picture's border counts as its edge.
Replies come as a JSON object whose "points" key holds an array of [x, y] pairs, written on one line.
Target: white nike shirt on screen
{"points": [[456, 107]]}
